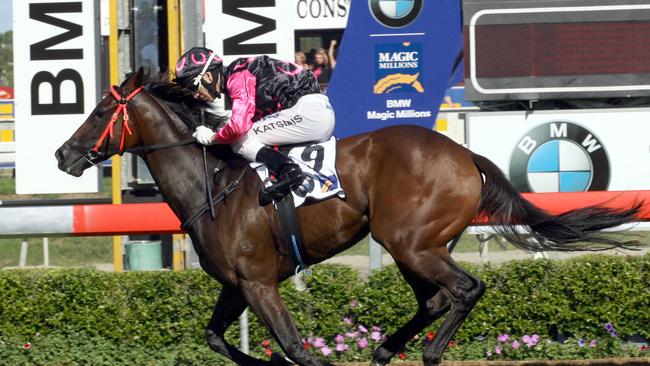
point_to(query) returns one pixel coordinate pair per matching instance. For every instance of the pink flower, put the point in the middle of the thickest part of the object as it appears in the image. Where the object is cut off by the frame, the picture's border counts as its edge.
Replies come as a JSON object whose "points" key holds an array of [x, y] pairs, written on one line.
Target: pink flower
{"points": [[488, 353], [363, 329], [354, 304], [376, 328], [375, 336], [341, 347], [27, 346], [363, 343], [326, 351], [535, 338], [352, 335], [593, 343], [347, 320], [339, 338], [498, 350], [515, 344], [319, 342], [503, 338], [530, 341]]}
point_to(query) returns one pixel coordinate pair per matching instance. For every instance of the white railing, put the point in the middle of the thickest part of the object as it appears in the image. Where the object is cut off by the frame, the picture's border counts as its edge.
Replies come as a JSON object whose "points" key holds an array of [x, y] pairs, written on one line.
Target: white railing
{"points": [[7, 154]]}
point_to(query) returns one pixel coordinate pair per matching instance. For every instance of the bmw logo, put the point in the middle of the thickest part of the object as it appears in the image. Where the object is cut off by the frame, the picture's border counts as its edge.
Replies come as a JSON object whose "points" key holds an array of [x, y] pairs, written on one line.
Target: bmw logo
{"points": [[395, 13], [559, 156]]}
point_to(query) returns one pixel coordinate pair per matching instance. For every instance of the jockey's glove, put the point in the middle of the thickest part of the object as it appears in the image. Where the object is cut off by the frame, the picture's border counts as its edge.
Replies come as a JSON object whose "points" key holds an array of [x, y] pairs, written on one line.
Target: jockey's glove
{"points": [[204, 135]]}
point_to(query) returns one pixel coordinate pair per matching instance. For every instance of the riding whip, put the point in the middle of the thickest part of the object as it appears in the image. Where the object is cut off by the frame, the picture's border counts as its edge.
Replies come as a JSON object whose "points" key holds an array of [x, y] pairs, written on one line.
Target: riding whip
{"points": [[208, 189]]}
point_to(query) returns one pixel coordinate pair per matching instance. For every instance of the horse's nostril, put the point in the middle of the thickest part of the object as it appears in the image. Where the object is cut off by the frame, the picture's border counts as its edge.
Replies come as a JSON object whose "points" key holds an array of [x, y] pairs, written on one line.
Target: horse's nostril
{"points": [[59, 155]]}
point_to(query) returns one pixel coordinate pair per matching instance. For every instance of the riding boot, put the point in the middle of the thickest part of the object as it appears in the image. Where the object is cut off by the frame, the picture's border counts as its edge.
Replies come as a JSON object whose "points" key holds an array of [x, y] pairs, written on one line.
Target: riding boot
{"points": [[288, 174]]}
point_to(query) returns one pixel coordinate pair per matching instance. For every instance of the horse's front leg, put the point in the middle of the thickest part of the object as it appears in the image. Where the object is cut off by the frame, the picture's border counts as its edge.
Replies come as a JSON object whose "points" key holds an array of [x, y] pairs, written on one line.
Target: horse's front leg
{"points": [[229, 307], [264, 299]]}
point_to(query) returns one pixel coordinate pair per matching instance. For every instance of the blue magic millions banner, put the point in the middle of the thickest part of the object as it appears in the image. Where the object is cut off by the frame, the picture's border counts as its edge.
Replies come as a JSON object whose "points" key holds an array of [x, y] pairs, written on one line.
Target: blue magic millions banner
{"points": [[394, 64]]}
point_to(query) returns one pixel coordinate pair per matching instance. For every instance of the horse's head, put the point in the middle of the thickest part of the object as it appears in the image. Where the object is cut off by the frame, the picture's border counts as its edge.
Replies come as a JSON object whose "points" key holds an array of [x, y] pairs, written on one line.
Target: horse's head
{"points": [[107, 130]]}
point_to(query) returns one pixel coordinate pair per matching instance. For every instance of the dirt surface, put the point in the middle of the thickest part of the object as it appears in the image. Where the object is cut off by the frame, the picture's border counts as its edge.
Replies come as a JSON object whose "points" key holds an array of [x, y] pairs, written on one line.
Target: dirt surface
{"points": [[642, 361]]}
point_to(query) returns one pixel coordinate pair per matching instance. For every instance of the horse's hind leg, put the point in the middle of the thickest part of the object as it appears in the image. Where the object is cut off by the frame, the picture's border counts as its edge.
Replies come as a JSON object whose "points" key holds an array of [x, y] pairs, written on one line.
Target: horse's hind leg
{"points": [[267, 304], [432, 304], [464, 290], [229, 306]]}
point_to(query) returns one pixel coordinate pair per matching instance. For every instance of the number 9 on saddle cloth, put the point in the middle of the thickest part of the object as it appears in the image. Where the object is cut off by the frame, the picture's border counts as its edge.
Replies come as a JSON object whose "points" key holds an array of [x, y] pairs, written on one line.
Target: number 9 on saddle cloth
{"points": [[317, 161]]}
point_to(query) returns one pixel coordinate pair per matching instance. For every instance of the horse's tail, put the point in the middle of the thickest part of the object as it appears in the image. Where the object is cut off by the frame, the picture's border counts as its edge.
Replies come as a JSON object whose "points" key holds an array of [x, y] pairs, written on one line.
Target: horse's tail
{"points": [[508, 212]]}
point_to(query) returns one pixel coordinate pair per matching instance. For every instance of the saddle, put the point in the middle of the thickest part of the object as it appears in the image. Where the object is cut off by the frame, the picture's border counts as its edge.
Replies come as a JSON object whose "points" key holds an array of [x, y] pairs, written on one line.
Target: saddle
{"points": [[317, 161]]}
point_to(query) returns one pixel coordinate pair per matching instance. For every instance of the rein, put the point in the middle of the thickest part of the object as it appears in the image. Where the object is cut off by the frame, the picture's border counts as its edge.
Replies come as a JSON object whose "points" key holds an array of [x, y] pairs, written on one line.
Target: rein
{"points": [[94, 154], [190, 221]]}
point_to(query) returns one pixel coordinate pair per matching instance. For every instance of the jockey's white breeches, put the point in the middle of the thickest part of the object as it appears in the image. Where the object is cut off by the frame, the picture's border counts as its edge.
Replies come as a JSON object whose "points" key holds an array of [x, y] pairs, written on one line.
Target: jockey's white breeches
{"points": [[310, 119]]}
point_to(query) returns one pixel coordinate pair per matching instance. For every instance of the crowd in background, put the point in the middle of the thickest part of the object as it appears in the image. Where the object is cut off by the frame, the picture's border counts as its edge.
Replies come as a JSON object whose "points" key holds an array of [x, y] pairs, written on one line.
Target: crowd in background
{"points": [[321, 63]]}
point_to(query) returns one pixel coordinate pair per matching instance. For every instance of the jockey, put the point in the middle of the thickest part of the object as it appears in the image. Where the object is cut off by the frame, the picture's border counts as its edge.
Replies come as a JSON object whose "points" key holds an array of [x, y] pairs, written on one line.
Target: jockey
{"points": [[273, 103]]}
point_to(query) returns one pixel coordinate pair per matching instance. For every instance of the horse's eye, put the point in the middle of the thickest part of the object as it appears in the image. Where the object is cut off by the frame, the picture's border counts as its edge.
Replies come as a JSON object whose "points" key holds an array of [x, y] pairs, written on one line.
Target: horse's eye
{"points": [[99, 114]]}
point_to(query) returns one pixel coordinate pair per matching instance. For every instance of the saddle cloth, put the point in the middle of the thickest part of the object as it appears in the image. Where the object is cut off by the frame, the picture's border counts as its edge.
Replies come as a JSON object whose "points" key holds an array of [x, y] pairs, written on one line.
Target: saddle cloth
{"points": [[317, 161]]}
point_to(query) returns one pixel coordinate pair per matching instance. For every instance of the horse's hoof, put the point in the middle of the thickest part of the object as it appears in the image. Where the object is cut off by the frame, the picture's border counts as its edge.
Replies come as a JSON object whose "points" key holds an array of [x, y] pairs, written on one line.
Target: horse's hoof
{"points": [[279, 360], [381, 357]]}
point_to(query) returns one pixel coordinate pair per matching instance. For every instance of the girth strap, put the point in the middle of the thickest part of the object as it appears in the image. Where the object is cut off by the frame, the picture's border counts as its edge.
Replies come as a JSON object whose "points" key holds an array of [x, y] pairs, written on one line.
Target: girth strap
{"points": [[292, 233]]}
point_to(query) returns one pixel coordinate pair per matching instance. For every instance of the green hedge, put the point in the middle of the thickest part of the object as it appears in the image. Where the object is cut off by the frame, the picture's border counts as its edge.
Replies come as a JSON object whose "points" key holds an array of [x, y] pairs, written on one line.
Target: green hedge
{"points": [[163, 310]]}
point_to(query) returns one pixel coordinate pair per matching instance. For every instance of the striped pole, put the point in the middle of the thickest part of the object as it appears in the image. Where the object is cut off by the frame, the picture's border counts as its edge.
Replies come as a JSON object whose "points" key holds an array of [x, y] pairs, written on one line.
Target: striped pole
{"points": [[158, 218]]}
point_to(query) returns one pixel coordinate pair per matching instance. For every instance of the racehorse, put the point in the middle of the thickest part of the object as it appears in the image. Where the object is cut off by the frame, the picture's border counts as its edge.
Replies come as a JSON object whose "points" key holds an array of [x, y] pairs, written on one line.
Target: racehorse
{"points": [[413, 189]]}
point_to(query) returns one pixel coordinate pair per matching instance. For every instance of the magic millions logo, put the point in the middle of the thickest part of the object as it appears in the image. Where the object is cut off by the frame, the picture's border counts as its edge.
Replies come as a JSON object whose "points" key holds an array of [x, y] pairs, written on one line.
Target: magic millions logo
{"points": [[398, 68], [560, 157], [395, 13]]}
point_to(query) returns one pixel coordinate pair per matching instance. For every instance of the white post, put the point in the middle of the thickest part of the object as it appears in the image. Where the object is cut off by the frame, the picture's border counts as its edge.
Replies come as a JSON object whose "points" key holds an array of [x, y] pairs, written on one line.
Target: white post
{"points": [[374, 252], [244, 345], [484, 239], [46, 252], [22, 262]]}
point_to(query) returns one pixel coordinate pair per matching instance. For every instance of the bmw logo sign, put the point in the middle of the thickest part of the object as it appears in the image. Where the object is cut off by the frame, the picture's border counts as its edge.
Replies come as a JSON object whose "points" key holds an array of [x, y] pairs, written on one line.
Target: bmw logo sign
{"points": [[559, 156], [395, 13]]}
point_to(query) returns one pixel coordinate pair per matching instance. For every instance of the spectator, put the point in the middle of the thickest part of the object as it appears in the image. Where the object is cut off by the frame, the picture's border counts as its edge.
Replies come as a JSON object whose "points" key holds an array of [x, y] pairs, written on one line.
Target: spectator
{"points": [[300, 59], [330, 53], [323, 64]]}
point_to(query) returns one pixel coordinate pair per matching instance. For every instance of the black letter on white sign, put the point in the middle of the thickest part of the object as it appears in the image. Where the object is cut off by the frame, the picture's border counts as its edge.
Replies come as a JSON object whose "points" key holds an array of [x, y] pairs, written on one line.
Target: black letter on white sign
{"points": [[41, 50], [234, 45], [56, 107]]}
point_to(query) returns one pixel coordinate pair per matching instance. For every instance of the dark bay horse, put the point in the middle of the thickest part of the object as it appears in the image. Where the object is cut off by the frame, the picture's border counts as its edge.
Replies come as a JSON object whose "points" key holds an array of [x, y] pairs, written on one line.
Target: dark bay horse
{"points": [[411, 187]]}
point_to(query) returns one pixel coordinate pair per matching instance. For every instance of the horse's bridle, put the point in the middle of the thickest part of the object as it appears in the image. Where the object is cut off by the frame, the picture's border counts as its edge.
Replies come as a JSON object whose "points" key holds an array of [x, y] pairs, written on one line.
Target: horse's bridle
{"points": [[95, 155]]}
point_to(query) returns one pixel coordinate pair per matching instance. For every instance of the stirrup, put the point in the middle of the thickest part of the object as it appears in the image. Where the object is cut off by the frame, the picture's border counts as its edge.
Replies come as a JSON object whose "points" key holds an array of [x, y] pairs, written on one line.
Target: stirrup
{"points": [[279, 190]]}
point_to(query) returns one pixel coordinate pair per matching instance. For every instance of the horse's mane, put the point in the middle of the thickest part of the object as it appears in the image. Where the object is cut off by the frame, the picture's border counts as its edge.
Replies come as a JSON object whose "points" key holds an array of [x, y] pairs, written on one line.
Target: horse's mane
{"points": [[186, 107], [179, 100]]}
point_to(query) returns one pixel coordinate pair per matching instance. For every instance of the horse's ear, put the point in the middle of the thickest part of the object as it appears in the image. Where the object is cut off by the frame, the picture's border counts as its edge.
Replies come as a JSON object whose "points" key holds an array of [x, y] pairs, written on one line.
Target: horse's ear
{"points": [[138, 78], [135, 80]]}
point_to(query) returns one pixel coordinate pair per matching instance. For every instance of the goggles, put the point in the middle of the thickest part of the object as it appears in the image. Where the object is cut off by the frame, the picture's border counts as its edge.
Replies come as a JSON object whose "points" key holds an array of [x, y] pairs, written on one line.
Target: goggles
{"points": [[195, 83]]}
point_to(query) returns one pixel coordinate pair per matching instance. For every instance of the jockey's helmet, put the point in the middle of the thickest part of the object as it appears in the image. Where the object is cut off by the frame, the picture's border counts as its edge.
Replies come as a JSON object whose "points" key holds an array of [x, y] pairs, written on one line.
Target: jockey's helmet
{"points": [[193, 64]]}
